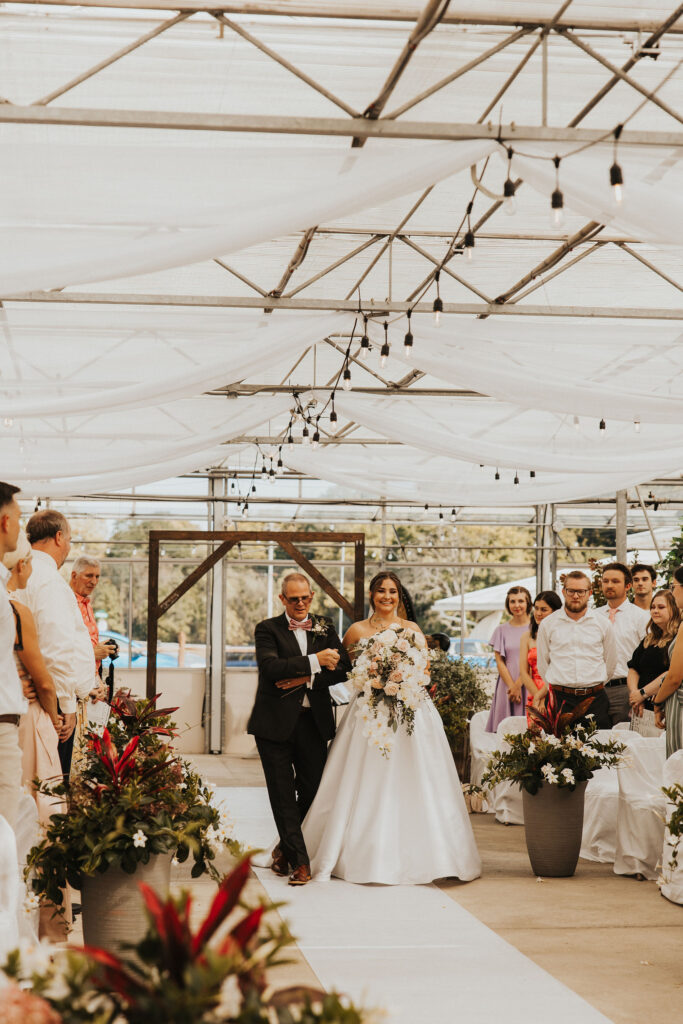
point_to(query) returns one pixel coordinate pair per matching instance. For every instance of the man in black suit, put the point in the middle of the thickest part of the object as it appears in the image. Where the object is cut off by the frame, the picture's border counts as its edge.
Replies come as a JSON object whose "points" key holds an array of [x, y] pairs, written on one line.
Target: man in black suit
{"points": [[298, 658]]}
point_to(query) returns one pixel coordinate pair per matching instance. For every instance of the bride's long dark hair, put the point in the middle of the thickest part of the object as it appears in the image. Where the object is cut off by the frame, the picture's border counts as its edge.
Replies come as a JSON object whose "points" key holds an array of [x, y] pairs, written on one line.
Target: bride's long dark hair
{"points": [[405, 605]]}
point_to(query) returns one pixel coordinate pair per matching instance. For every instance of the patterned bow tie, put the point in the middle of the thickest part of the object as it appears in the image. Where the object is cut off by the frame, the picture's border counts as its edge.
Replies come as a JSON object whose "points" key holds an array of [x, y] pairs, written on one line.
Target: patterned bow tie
{"points": [[306, 624]]}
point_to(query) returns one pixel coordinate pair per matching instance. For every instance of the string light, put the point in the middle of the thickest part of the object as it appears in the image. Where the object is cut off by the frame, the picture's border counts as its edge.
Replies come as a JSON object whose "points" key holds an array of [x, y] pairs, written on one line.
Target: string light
{"points": [[346, 378], [264, 471], [8, 422], [469, 235], [316, 435], [616, 177], [280, 467], [577, 425], [509, 189], [453, 515], [437, 306], [557, 199], [384, 351], [426, 508], [290, 440], [408, 340], [365, 341], [603, 428], [271, 473], [532, 474], [516, 480], [636, 426], [306, 438], [333, 411], [497, 476]]}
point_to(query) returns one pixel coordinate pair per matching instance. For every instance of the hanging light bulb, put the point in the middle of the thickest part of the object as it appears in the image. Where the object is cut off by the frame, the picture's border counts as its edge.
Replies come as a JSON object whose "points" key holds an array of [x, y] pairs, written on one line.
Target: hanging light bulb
{"points": [[365, 341], [516, 480], [333, 412], [253, 488], [576, 423], [384, 351], [509, 189], [426, 508], [305, 435], [280, 467], [532, 474], [346, 378], [264, 471], [616, 180], [8, 422], [290, 440], [271, 474], [408, 340], [469, 245], [437, 306], [497, 476], [636, 426], [316, 437], [557, 199], [603, 428], [440, 517], [453, 515]]}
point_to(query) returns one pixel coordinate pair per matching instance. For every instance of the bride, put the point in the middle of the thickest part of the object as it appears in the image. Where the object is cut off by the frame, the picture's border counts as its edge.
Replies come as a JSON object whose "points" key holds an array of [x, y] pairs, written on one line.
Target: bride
{"points": [[396, 819]]}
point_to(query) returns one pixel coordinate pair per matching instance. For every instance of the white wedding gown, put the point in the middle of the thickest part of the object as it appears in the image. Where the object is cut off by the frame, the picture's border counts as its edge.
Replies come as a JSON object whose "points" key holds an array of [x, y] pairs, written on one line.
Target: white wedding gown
{"points": [[396, 820]]}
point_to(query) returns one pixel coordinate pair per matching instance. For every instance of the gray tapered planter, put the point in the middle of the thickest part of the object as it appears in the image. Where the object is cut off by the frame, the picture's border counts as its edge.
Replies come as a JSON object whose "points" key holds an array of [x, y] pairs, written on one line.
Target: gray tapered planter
{"points": [[553, 825], [112, 906]]}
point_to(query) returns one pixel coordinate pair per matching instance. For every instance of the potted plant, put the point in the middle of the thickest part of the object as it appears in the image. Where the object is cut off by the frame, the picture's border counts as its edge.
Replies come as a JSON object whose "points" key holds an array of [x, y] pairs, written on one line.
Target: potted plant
{"points": [[214, 974], [132, 808], [457, 691], [552, 763]]}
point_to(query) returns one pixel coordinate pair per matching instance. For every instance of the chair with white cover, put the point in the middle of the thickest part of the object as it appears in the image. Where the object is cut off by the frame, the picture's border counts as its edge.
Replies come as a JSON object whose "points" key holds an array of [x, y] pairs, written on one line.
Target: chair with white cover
{"points": [[640, 824], [9, 890], [506, 797], [482, 745], [671, 885], [599, 839]]}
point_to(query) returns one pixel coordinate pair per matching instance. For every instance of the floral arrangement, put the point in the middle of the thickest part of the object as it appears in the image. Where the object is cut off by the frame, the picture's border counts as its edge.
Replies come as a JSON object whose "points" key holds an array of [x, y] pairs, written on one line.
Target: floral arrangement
{"points": [[555, 751], [674, 824], [390, 674], [212, 975], [132, 799], [320, 625]]}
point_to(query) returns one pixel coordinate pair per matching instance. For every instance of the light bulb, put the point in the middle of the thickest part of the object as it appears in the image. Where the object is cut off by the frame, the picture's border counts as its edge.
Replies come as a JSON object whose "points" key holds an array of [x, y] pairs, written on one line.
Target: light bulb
{"points": [[510, 202], [290, 441], [516, 480], [280, 468], [305, 436], [603, 428], [333, 415], [316, 439], [532, 474], [469, 246], [616, 179], [557, 217], [636, 426], [577, 425], [346, 379], [383, 355], [438, 310], [271, 475], [8, 422], [557, 208]]}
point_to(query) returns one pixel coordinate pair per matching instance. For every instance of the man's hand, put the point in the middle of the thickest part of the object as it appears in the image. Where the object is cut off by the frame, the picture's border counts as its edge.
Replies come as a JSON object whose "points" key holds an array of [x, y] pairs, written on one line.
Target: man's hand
{"points": [[28, 688], [103, 650], [99, 692], [68, 727], [329, 658]]}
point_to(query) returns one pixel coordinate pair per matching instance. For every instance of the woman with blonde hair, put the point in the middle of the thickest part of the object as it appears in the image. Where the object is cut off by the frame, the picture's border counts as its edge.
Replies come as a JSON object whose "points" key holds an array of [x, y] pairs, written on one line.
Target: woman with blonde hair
{"points": [[668, 700], [650, 660], [509, 696]]}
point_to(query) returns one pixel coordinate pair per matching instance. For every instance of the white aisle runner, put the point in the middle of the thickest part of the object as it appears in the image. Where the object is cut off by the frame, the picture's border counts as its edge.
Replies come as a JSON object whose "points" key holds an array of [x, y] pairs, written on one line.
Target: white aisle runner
{"points": [[409, 949]]}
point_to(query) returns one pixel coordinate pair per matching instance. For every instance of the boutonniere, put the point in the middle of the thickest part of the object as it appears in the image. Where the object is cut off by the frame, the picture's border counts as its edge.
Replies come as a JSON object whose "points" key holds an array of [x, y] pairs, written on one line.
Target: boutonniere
{"points": [[320, 626]]}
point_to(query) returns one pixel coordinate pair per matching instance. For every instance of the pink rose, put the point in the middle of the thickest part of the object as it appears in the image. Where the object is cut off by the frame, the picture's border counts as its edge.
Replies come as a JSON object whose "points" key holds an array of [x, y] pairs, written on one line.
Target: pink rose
{"points": [[377, 684], [396, 676], [391, 689], [373, 666], [403, 645]]}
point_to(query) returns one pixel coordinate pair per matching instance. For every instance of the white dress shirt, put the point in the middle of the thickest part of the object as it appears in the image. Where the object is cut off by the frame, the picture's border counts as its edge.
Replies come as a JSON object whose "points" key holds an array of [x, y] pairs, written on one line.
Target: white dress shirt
{"points": [[629, 627], [576, 652], [12, 700], [63, 638], [301, 639]]}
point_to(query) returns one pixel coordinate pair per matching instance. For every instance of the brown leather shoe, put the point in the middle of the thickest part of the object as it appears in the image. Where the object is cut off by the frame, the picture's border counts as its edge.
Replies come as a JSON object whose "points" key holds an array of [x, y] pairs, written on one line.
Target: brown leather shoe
{"points": [[300, 875], [279, 865]]}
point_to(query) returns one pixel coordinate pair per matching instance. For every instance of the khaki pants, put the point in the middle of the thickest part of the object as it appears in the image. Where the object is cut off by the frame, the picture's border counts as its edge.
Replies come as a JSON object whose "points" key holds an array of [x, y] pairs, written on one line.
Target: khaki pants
{"points": [[10, 772]]}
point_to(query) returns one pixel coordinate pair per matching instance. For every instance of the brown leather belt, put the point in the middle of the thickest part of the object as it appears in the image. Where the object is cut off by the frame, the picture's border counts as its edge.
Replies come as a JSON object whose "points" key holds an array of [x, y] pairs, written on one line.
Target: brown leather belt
{"points": [[577, 691], [12, 719]]}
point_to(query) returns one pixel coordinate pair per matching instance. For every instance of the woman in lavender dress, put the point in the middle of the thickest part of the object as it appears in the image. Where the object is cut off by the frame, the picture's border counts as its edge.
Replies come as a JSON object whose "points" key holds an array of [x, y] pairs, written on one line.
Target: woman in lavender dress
{"points": [[509, 697]]}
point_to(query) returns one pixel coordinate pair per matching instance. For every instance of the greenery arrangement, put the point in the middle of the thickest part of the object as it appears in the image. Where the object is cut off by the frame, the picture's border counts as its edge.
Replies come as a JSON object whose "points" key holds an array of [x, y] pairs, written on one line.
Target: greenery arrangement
{"points": [[216, 974], [671, 561], [457, 690], [555, 751], [674, 824], [133, 798]]}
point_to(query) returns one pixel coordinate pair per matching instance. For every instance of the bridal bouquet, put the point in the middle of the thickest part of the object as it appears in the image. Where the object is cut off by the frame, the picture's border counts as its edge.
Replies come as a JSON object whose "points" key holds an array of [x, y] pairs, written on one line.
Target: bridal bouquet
{"points": [[390, 674]]}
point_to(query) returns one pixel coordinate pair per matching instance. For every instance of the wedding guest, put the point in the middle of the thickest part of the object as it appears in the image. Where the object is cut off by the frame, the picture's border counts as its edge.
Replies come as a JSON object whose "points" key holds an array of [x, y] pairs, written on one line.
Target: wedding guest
{"points": [[668, 701], [577, 651], [644, 578], [13, 704], [650, 659], [629, 623], [85, 575], [545, 604], [509, 696], [62, 637]]}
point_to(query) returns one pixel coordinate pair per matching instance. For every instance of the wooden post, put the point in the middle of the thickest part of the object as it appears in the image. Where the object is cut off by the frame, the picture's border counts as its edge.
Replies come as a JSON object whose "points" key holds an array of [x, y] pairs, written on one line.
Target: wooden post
{"points": [[152, 617]]}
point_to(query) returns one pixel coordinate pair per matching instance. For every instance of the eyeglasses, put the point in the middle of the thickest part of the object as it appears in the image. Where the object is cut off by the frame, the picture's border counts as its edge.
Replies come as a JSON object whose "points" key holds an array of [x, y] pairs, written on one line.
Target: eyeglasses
{"points": [[298, 600], [576, 593]]}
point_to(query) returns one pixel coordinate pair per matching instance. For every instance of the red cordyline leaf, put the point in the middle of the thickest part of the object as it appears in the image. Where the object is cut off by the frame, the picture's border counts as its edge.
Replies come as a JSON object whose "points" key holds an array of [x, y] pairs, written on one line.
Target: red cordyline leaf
{"points": [[124, 762], [224, 901], [172, 928], [155, 908], [244, 930], [116, 975]]}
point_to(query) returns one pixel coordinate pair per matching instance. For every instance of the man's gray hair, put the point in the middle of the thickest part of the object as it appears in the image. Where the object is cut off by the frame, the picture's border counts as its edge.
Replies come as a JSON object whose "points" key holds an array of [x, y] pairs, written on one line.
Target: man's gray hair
{"points": [[86, 562], [290, 577]]}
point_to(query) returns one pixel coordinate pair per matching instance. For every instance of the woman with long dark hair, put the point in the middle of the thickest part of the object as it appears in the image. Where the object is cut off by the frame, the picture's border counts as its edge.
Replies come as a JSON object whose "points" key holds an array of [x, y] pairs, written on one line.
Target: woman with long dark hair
{"points": [[545, 604], [668, 700], [399, 818]]}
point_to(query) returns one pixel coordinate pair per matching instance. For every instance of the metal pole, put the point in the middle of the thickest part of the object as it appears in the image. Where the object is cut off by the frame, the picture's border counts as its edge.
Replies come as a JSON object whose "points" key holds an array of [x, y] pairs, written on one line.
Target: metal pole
{"points": [[215, 645], [271, 553], [341, 586], [463, 614], [621, 527], [553, 552], [649, 524], [383, 537]]}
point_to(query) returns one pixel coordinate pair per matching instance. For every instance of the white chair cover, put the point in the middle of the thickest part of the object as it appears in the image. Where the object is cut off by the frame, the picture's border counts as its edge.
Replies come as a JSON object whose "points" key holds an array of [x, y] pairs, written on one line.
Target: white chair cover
{"points": [[482, 745], [640, 824], [9, 890], [27, 834], [671, 884], [507, 796], [599, 838]]}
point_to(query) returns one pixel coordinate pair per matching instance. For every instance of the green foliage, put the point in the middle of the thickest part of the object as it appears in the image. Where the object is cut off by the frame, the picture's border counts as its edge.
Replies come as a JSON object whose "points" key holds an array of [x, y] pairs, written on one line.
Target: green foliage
{"points": [[458, 692], [674, 823], [672, 560]]}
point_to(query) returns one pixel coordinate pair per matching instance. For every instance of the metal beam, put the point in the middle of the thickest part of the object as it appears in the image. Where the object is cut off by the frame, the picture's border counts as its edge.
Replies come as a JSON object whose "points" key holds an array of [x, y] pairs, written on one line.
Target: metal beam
{"points": [[372, 308], [358, 10], [269, 124], [551, 261], [238, 390]]}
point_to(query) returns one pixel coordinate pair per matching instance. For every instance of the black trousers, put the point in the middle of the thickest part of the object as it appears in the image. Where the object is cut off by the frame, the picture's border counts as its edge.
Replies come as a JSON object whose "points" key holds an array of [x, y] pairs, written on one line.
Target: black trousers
{"points": [[293, 769], [599, 708], [65, 750]]}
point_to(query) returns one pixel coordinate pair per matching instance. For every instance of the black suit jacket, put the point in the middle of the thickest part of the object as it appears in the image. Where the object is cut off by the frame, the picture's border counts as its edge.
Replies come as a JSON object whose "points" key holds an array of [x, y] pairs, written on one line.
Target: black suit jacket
{"points": [[276, 712]]}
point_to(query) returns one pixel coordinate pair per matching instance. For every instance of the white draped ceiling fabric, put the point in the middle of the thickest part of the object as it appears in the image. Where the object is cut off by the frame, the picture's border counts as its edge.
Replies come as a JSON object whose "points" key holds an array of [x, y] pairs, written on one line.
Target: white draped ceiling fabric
{"points": [[131, 255]]}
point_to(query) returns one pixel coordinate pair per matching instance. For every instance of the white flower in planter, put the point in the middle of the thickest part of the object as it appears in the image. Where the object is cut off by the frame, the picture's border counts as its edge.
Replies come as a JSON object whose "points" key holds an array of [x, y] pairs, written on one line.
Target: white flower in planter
{"points": [[31, 902], [549, 774], [139, 838], [568, 776]]}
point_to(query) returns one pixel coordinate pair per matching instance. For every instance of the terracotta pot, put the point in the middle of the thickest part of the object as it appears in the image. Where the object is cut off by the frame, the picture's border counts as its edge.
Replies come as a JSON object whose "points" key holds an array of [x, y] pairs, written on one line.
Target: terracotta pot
{"points": [[112, 906], [553, 824]]}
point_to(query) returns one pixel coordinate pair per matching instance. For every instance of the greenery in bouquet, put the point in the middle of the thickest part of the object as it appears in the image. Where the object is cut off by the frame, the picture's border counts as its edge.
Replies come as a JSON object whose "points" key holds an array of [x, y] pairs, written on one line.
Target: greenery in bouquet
{"points": [[674, 823], [555, 751], [214, 974], [132, 799], [457, 690]]}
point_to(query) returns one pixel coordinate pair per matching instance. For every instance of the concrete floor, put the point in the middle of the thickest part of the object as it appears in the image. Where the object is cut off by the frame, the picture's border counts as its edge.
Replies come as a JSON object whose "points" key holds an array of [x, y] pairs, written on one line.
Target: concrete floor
{"points": [[614, 941]]}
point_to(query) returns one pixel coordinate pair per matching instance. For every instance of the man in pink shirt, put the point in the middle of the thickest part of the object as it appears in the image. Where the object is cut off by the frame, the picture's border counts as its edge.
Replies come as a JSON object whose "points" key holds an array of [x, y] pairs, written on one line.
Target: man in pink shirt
{"points": [[85, 576]]}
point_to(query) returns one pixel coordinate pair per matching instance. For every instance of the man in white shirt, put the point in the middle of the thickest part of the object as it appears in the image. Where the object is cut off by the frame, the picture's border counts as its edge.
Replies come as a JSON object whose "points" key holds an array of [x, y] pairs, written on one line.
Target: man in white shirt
{"points": [[12, 701], [577, 651], [63, 638], [629, 623]]}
